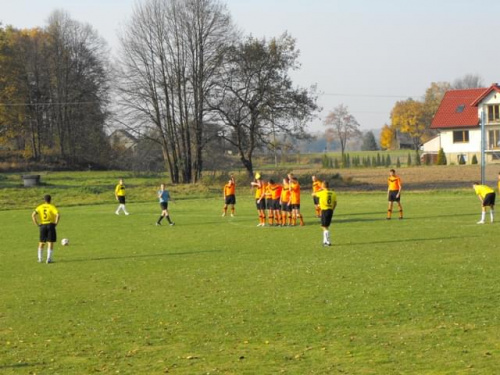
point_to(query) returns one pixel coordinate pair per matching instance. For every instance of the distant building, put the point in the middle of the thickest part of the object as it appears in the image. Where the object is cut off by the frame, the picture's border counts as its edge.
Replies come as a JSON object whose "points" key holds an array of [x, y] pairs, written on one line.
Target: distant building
{"points": [[458, 122], [123, 139]]}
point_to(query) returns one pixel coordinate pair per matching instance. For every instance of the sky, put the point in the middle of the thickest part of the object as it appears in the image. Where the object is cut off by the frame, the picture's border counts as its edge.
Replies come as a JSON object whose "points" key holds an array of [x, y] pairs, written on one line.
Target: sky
{"points": [[365, 54]]}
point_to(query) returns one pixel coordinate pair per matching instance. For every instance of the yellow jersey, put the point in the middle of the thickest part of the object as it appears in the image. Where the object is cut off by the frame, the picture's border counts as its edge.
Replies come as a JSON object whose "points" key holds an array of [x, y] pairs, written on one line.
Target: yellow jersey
{"points": [[47, 213], [261, 187], [229, 189], [120, 190], [327, 199], [294, 192], [483, 190], [285, 193]]}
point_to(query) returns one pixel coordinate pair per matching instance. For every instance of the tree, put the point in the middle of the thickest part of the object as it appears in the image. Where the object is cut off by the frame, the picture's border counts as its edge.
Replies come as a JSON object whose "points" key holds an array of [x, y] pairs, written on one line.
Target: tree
{"points": [[468, 81], [172, 52], [387, 138], [255, 99], [432, 99], [441, 157], [342, 126], [409, 117], [369, 142]]}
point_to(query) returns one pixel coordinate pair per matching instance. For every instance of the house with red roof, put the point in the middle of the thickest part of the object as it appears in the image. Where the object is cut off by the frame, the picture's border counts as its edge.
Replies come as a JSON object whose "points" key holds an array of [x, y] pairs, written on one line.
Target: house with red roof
{"points": [[457, 121]]}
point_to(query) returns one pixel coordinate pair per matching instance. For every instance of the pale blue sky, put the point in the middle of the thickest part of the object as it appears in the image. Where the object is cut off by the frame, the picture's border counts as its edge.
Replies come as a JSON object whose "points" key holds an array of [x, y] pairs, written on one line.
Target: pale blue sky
{"points": [[366, 54]]}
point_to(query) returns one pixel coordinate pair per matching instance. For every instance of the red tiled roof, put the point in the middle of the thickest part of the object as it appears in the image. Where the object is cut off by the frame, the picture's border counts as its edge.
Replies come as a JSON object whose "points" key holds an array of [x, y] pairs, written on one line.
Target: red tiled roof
{"points": [[451, 114], [493, 87]]}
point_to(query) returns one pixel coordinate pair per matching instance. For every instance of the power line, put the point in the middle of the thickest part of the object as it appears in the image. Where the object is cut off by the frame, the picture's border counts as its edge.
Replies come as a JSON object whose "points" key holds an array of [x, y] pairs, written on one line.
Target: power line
{"points": [[44, 104]]}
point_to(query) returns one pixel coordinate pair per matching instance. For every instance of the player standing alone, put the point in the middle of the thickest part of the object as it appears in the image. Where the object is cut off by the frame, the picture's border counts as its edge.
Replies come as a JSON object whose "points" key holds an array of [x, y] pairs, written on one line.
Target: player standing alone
{"points": [[229, 196], [394, 193], [120, 197], [328, 203], [164, 197], [487, 197], [49, 218]]}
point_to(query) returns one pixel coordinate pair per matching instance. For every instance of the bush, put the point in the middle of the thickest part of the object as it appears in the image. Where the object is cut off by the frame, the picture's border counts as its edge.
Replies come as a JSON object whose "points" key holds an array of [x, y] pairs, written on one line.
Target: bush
{"points": [[461, 160], [441, 158], [474, 160]]}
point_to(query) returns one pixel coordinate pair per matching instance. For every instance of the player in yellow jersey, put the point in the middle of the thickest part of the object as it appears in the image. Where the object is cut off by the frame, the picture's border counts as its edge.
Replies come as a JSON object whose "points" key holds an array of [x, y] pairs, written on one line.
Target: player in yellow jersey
{"points": [[295, 199], [260, 201], [394, 193], [327, 203], [268, 194], [229, 192], [120, 197], [316, 186], [487, 197], [46, 217], [286, 210]]}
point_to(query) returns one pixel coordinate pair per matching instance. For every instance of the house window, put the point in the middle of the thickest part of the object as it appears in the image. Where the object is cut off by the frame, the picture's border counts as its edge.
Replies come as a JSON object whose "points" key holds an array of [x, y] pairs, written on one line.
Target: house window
{"points": [[494, 113], [493, 139], [461, 136]]}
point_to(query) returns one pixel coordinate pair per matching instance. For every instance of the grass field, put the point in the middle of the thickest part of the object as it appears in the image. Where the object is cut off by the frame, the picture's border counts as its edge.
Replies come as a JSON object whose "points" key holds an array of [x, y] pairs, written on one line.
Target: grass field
{"points": [[215, 295]]}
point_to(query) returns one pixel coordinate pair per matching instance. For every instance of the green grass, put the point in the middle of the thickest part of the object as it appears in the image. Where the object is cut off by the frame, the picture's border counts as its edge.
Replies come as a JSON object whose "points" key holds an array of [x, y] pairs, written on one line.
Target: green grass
{"points": [[220, 296]]}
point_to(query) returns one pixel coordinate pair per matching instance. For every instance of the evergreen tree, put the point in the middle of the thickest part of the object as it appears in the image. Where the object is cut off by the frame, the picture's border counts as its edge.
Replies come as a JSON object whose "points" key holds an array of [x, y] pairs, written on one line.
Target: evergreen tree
{"points": [[408, 161], [388, 161], [369, 142], [441, 158], [398, 163], [474, 159]]}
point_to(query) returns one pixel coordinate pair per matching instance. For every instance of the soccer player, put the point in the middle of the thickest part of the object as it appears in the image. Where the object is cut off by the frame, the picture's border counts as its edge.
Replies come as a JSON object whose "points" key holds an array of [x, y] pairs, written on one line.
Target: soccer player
{"points": [[286, 211], [275, 196], [328, 203], [269, 201], [295, 200], [394, 193], [316, 186], [260, 201], [229, 196], [164, 197], [487, 197], [120, 197], [49, 218]]}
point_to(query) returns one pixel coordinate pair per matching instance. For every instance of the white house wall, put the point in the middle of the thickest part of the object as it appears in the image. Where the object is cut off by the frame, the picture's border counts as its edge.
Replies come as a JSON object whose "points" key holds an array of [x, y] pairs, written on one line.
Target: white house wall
{"points": [[474, 144]]}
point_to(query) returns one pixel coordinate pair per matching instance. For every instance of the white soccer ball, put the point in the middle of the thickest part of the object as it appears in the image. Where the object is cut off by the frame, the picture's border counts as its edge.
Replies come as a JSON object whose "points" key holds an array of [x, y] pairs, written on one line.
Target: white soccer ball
{"points": [[65, 242]]}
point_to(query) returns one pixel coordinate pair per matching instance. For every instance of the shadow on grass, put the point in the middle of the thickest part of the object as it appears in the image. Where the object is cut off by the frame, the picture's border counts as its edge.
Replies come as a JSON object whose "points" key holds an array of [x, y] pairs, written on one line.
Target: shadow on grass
{"points": [[407, 240], [137, 256], [20, 365]]}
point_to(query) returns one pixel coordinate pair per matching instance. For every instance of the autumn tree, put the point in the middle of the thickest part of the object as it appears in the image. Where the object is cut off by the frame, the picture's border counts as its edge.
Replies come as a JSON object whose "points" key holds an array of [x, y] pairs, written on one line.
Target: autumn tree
{"points": [[341, 126], [408, 116], [387, 138]]}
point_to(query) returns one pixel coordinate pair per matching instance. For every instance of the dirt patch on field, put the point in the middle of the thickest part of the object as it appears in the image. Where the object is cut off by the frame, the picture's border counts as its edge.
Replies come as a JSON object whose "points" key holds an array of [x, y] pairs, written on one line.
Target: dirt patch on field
{"points": [[420, 178]]}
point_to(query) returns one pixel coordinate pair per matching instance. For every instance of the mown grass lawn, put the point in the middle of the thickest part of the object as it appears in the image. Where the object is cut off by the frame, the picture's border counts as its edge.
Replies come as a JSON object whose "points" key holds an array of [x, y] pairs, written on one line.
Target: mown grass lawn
{"points": [[221, 296]]}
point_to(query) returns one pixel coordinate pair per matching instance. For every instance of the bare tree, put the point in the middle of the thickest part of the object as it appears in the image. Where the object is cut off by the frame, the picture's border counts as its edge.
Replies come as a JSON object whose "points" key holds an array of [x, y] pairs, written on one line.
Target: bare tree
{"points": [[468, 81], [341, 126], [171, 51], [255, 99]]}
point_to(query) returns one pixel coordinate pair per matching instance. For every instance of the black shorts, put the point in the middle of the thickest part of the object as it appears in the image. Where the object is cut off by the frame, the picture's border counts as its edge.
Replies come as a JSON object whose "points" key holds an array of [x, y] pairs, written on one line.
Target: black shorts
{"points": [[271, 204], [316, 200], [489, 200], [326, 218], [121, 199], [295, 206], [48, 233], [230, 199], [260, 205], [164, 205], [393, 196], [285, 207]]}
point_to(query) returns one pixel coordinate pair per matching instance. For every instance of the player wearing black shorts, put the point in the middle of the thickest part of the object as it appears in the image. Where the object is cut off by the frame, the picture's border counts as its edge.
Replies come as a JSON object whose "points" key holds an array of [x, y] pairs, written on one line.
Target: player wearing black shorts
{"points": [[46, 217], [164, 197]]}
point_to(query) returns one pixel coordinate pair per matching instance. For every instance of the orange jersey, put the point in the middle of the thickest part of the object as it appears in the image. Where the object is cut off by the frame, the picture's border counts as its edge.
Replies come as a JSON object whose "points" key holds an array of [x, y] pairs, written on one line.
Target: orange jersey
{"points": [[285, 193], [229, 189], [394, 183], [294, 192], [269, 191], [261, 187], [316, 186], [276, 191]]}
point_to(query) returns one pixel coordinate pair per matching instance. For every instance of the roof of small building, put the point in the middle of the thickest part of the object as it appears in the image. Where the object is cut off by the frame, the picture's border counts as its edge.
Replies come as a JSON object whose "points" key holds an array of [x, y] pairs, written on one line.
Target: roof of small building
{"points": [[458, 110]]}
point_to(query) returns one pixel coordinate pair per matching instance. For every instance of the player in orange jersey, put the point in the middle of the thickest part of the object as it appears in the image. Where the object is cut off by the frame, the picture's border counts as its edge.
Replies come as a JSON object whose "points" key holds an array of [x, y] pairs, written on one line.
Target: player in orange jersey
{"points": [[316, 186], [295, 200], [286, 210], [260, 200], [275, 201], [269, 201], [394, 193], [229, 196]]}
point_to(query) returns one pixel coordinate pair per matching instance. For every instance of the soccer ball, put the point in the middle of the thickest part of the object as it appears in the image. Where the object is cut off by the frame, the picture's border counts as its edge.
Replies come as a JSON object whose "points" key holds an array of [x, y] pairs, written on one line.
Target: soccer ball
{"points": [[65, 242]]}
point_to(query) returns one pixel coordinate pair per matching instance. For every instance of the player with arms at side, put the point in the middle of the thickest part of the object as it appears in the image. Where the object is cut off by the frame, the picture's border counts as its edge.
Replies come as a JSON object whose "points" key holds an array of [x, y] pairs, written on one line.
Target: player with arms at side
{"points": [[487, 197], [394, 193], [286, 210], [120, 197], [229, 193], [46, 217], [164, 197], [328, 203], [295, 200]]}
